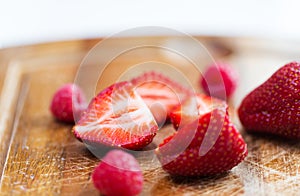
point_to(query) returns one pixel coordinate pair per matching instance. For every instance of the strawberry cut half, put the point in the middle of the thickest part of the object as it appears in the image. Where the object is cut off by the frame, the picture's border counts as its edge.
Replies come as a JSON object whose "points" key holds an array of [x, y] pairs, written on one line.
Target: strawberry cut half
{"points": [[210, 145], [160, 93], [194, 106], [117, 117]]}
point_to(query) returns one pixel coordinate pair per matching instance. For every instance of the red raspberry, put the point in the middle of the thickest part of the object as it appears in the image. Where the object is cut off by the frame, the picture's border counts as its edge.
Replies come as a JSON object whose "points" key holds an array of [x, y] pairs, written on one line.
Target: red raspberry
{"points": [[219, 80], [61, 105], [118, 174]]}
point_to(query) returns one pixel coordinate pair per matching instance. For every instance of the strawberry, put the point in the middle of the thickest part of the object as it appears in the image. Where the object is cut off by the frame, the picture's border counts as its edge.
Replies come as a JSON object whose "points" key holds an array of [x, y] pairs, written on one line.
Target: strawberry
{"points": [[274, 106], [192, 107], [207, 146], [118, 174], [219, 80], [160, 94], [68, 101], [117, 116]]}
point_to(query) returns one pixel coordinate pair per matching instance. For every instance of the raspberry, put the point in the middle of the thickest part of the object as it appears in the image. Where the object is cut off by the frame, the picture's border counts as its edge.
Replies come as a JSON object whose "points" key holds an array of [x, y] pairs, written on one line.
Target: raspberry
{"points": [[118, 174], [219, 80], [62, 104]]}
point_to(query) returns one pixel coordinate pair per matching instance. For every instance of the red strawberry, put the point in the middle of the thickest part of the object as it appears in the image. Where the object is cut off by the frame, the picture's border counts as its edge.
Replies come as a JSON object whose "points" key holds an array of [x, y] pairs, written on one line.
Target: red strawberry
{"points": [[160, 94], [118, 174], [274, 106], [219, 80], [62, 106], [117, 116], [192, 107], [207, 146]]}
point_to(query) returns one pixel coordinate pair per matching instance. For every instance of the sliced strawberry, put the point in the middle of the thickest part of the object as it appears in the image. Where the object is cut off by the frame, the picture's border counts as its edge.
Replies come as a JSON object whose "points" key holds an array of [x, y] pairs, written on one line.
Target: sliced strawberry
{"points": [[207, 146], [160, 93], [192, 107], [274, 106], [117, 116]]}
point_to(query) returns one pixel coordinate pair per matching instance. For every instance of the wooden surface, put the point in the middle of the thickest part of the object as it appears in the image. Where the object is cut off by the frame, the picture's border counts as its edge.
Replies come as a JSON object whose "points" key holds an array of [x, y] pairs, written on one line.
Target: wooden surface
{"points": [[40, 156]]}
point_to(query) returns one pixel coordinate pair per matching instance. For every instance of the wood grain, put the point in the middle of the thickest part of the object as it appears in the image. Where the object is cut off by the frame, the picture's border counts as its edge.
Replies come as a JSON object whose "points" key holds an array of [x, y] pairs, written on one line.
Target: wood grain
{"points": [[8, 99], [39, 155]]}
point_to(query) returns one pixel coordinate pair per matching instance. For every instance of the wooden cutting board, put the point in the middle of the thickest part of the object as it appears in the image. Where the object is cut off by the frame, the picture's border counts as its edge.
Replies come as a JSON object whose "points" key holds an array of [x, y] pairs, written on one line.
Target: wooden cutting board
{"points": [[40, 156]]}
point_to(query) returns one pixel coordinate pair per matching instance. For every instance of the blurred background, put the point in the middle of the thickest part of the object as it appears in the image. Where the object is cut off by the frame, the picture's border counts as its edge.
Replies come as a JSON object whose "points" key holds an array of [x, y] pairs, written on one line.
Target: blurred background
{"points": [[30, 22]]}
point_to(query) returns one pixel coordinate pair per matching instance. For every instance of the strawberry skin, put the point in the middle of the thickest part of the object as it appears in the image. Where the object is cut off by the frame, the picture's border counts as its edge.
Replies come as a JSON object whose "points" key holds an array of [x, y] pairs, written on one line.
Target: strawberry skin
{"points": [[207, 146], [118, 117], [192, 107], [274, 106], [160, 93]]}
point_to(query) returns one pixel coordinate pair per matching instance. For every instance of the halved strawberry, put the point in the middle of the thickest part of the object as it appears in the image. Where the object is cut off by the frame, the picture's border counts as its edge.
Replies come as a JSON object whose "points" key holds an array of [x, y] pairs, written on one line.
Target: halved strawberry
{"points": [[207, 146], [192, 107], [117, 116], [274, 106], [160, 93]]}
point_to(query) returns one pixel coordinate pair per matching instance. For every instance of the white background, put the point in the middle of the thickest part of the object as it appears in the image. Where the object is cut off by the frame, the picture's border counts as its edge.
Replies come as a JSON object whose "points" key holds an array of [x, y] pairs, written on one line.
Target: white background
{"points": [[27, 22]]}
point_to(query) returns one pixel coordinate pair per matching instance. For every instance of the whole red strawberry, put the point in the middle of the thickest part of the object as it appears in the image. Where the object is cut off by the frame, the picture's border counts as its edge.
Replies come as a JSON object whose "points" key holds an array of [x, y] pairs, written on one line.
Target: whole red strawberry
{"points": [[219, 80], [207, 146], [68, 101], [118, 117], [274, 106], [160, 93], [118, 174]]}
